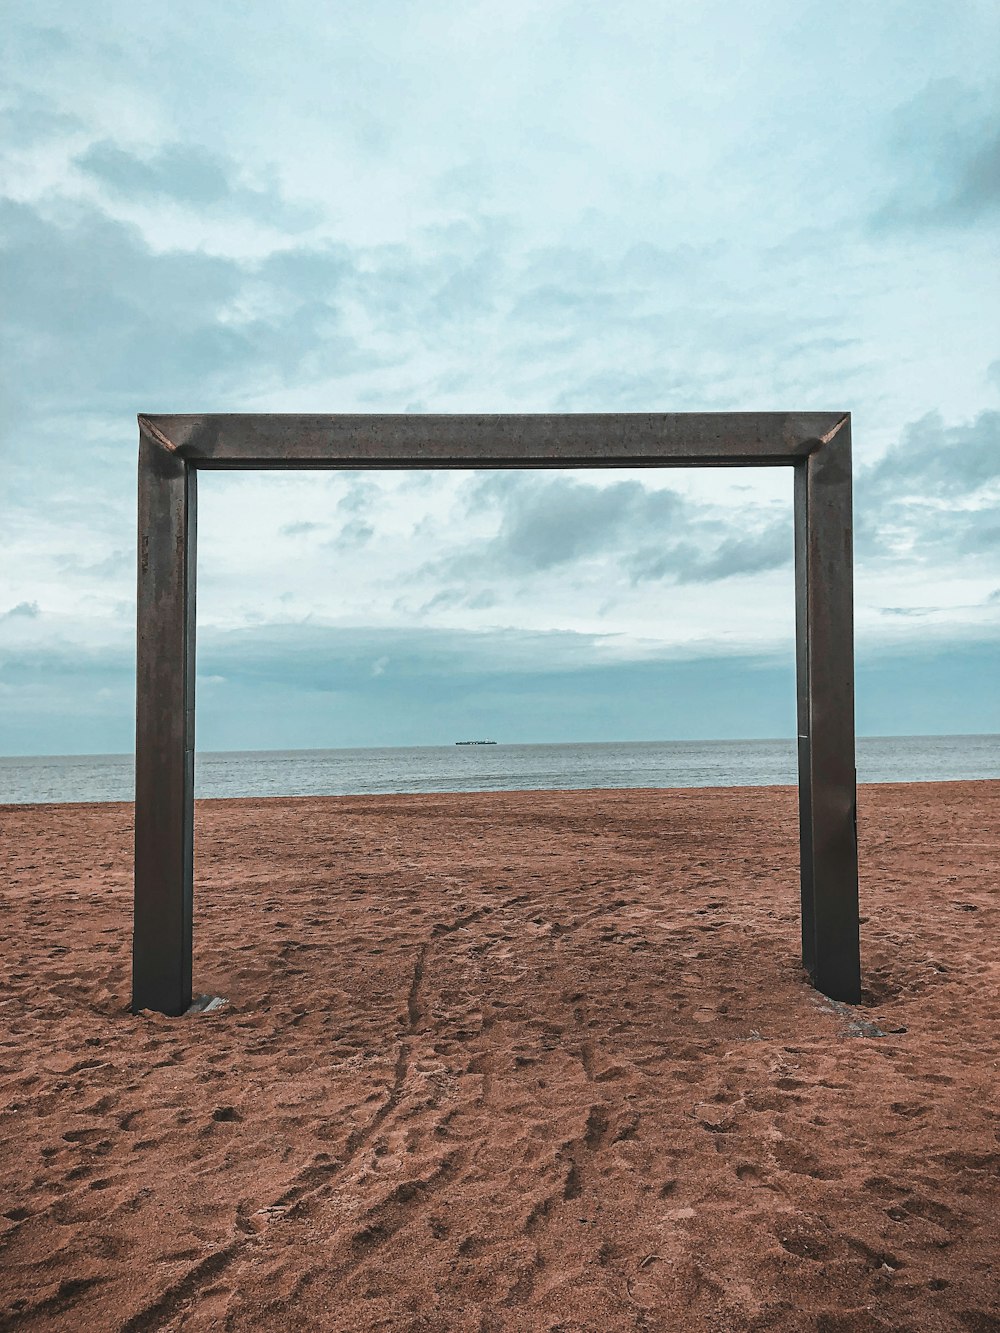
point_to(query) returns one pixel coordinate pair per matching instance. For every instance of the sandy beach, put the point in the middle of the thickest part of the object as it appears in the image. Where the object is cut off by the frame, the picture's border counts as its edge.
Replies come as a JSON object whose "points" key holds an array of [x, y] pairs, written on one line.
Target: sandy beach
{"points": [[514, 1061]]}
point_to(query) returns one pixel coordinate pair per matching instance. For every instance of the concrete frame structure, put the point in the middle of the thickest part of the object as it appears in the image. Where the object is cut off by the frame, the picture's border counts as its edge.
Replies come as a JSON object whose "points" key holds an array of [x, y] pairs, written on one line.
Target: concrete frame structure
{"points": [[173, 449]]}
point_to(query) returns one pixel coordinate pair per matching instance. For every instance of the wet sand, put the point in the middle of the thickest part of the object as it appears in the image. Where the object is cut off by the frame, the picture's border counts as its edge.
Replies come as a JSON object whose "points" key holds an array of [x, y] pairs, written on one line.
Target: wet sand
{"points": [[508, 1061]]}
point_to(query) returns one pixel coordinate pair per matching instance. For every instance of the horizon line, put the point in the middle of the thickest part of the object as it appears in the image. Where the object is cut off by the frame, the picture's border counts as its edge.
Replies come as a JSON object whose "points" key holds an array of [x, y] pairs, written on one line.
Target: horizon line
{"points": [[447, 745]]}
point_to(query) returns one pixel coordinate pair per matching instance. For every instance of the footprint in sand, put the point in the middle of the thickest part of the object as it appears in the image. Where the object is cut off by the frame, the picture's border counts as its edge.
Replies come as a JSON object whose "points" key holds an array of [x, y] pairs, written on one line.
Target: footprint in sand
{"points": [[806, 1240]]}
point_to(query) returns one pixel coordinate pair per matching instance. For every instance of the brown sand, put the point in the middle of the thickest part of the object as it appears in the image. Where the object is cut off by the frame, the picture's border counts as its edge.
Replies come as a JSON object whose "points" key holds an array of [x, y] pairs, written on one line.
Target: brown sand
{"points": [[518, 1061]]}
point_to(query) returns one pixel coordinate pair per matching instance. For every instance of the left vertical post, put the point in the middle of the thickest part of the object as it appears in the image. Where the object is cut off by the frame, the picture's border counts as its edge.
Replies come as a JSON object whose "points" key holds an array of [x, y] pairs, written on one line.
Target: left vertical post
{"points": [[164, 737]]}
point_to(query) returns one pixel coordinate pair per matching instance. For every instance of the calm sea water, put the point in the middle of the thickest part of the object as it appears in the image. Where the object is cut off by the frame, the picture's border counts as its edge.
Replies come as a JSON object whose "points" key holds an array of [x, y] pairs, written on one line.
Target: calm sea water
{"points": [[500, 768]]}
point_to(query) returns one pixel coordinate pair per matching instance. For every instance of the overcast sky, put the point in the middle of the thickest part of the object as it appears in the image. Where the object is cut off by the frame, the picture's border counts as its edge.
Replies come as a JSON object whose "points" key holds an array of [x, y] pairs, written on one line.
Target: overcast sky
{"points": [[500, 206]]}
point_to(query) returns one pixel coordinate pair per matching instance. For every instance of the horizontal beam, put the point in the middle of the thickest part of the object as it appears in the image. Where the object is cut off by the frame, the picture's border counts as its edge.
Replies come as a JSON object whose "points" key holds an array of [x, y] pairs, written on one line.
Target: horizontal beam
{"points": [[538, 440]]}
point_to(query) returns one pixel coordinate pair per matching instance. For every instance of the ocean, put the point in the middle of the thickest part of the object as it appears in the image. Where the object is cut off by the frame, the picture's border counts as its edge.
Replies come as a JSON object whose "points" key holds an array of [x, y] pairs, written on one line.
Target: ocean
{"points": [[457, 768]]}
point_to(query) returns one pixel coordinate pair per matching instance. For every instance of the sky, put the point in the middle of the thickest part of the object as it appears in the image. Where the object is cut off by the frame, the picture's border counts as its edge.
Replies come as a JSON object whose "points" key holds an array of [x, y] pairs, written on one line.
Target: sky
{"points": [[490, 207]]}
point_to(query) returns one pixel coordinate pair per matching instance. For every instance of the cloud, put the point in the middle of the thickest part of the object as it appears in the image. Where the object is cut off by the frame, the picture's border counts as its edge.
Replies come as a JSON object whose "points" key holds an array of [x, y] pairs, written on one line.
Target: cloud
{"points": [[110, 567], [650, 533], [946, 158], [977, 187], [186, 173], [331, 657], [769, 548], [27, 610], [308, 685], [361, 494], [128, 325], [193, 177], [549, 522], [87, 295], [29, 119], [934, 492], [978, 532], [353, 535], [300, 529], [934, 460], [450, 599]]}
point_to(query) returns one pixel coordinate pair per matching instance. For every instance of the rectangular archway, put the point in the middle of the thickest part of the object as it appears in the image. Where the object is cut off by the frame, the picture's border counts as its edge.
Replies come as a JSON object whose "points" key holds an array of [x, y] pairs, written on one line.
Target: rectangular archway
{"points": [[172, 449]]}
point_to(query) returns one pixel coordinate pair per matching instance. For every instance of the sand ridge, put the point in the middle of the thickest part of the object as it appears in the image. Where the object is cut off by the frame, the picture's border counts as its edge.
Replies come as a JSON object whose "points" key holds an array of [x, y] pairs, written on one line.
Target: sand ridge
{"points": [[500, 1062]]}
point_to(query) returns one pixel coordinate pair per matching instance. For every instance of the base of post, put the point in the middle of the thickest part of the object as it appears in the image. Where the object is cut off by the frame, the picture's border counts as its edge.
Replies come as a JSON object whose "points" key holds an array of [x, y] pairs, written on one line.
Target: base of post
{"points": [[206, 1004], [845, 989]]}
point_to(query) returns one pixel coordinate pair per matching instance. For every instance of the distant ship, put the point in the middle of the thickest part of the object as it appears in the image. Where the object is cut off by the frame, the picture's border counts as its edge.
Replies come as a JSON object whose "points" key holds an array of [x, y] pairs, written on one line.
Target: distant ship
{"points": [[475, 742]]}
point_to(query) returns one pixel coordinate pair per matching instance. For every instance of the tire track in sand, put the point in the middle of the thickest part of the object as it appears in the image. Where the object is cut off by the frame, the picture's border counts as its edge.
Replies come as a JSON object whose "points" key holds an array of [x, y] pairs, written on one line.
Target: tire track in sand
{"points": [[306, 1192]]}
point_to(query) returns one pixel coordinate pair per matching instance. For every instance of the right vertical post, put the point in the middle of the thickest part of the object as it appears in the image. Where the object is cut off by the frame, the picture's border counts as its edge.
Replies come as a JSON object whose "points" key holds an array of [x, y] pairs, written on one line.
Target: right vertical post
{"points": [[824, 632]]}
